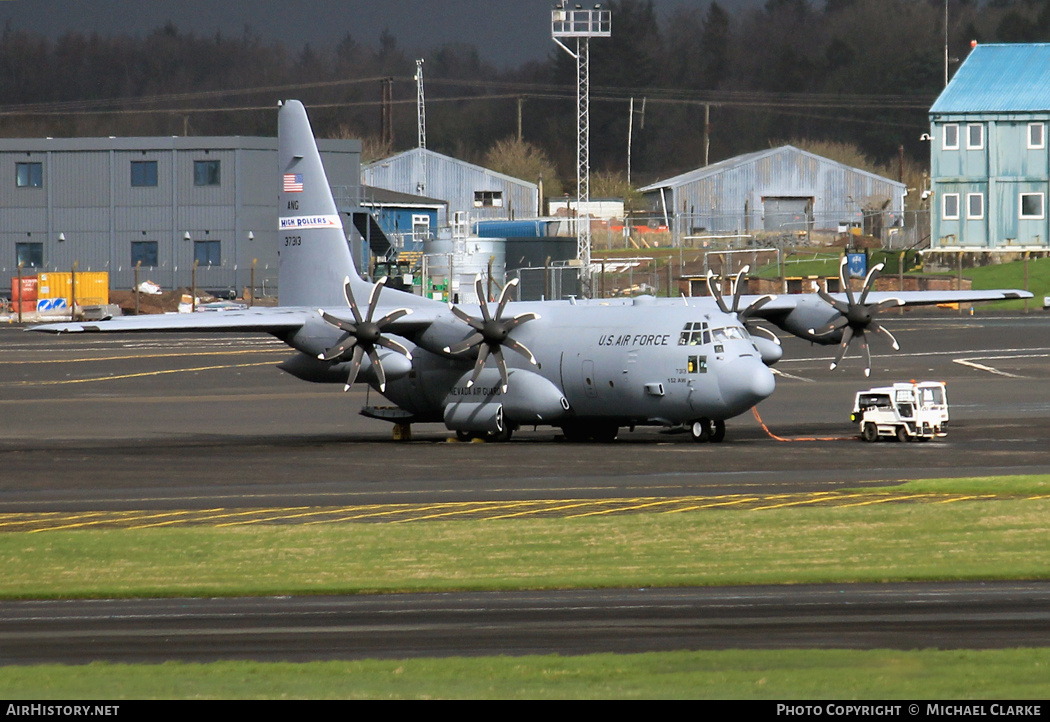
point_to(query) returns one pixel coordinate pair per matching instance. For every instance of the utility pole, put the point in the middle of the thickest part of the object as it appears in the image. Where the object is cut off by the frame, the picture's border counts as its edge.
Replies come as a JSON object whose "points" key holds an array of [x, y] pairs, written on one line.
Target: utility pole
{"points": [[387, 106], [582, 25]]}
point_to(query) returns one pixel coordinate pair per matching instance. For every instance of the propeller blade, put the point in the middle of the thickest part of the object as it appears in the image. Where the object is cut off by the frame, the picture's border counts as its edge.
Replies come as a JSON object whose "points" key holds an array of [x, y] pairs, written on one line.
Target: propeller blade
{"points": [[465, 317], [739, 288], [483, 300], [345, 344], [765, 332], [845, 281], [520, 348], [393, 316], [501, 363], [519, 319], [373, 297], [867, 352], [888, 303], [349, 293], [378, 366], [716, 291], [470, 342], [355, 366], [394, 346], [828, 328], [483, 354], [504, 296], [869, 282], [833, 302], [846, 336], [338, 322], [754, 307], [877, 328]]}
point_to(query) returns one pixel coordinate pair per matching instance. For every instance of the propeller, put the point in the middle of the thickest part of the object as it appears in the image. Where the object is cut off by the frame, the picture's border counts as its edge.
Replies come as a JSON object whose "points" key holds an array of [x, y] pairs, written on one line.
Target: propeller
{"points": [[857, 316], [748, 314], [491, 332], [363, 335]]}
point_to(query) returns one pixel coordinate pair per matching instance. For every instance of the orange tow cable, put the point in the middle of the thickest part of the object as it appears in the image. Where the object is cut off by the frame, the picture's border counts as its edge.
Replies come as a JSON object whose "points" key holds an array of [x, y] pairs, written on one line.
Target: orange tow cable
{"points": [[754, 410]]}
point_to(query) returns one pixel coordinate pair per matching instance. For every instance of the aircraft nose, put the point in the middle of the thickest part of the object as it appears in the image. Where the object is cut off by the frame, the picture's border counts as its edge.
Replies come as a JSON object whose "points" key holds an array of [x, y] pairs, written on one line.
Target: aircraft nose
{"points": [[744, 382]]}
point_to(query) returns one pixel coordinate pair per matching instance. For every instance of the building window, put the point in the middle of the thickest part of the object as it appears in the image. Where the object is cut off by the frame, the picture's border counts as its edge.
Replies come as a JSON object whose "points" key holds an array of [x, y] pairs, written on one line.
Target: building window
{"points": [[1036, 136], [29, 175], [207, 253], [144, 252], [974, 136], [1032, 206], [30, 255], [143, 174], [974, 206], [488, 199], [205, 172], [950, 141], [950, 207]]}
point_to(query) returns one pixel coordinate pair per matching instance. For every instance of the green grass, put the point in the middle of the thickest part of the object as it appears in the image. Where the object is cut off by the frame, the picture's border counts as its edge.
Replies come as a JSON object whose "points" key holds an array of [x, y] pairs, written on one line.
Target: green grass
{"points": [[1004, 539], [732, 674], [873, 542], [1011, 275]]}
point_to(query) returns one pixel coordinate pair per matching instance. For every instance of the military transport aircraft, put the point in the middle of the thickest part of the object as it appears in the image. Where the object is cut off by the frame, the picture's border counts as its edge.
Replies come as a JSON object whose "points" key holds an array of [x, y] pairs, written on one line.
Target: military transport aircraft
{"points": [[589, 367]]}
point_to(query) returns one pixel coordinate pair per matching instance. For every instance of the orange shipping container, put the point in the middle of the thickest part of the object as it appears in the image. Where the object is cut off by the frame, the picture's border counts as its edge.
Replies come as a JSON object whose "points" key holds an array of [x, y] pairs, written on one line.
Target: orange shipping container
{"points": [[92, 287]]}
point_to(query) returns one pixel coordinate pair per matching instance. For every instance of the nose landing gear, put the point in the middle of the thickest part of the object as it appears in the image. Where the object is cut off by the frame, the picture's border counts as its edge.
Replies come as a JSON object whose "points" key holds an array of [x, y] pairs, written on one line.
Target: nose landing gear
{"points": [[705, 429]]}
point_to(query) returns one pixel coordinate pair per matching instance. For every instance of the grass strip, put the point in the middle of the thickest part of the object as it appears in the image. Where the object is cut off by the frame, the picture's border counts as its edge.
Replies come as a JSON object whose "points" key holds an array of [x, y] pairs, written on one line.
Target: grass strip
{"points": [[873, 542], [1011, 674]]}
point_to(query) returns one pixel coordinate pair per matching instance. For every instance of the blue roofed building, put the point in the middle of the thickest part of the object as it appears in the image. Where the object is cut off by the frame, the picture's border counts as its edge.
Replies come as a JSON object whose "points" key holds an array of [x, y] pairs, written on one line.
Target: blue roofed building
{"points": [[989, 166]]}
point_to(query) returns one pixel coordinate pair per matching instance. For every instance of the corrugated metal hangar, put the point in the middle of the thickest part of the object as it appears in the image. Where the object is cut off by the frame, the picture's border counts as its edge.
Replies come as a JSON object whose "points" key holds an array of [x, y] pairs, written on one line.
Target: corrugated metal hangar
{"points": [[782, 189], [109, 203], [477, 192]]}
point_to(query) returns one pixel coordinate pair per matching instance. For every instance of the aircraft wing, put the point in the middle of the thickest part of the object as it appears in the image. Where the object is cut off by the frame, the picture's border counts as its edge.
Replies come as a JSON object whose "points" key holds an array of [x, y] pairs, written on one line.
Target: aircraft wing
{"points": [[267, 320], [786, 303]]}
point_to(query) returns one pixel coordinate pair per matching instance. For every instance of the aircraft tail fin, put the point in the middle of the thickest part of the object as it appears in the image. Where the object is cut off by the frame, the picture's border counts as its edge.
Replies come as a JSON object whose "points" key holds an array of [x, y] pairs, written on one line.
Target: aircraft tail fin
{"points": [[315, 257]]}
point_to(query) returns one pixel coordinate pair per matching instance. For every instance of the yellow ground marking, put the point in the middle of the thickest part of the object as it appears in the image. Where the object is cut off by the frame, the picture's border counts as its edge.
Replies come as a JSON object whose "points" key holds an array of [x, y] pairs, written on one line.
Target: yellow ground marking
{"points": [[142, 374], [133, 357], [34, 522]]}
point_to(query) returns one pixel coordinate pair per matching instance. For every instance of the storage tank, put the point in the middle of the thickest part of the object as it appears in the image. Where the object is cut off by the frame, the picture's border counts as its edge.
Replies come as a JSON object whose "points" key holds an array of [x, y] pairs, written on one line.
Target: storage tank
{"points": [[468, 257]]}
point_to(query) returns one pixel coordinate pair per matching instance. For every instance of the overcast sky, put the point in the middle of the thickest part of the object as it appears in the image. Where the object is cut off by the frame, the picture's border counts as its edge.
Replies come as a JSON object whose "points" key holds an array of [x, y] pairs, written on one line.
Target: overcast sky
{"points": [[506, 32]]}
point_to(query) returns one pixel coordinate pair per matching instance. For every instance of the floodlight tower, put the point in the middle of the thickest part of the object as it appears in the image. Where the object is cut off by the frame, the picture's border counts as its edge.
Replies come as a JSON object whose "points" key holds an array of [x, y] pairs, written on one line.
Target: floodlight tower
{"points": [[582, 25]]}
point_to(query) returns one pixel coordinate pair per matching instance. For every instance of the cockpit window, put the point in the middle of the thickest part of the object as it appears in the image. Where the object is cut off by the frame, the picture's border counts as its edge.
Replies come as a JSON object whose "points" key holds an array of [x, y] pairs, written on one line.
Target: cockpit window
{"points": [[695, 333], [729, 333]]}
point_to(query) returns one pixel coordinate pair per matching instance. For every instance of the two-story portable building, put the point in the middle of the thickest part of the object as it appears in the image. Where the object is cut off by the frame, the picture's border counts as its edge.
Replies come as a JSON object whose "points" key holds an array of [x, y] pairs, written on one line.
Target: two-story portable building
{"points": [[989, 158]]}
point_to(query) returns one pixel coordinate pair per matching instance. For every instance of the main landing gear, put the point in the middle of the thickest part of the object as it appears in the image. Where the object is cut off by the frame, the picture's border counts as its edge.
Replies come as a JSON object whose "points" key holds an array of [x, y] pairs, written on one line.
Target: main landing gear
{"points": [[503, 435], [705, 429]]}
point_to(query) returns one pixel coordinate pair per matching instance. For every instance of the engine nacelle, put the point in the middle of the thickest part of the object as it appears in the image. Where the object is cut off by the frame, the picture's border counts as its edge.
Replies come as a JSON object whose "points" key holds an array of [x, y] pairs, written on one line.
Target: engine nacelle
{"points": [[529, 399], [311, 368], [479, 417], [770, 351]]}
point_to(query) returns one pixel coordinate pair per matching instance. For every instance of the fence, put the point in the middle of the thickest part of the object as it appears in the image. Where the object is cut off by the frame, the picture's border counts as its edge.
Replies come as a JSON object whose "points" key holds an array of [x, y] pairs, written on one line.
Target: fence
{"points": [[895, 230]]}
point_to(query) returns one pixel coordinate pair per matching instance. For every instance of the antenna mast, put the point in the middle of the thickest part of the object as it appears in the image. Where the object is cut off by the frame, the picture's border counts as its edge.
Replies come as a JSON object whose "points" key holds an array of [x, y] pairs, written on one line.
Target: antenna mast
{"points": [[421, 125]]}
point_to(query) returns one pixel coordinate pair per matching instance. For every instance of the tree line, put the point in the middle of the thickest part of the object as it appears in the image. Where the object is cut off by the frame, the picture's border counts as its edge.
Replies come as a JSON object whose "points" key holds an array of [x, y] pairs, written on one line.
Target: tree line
{"points": [[707, 81]]}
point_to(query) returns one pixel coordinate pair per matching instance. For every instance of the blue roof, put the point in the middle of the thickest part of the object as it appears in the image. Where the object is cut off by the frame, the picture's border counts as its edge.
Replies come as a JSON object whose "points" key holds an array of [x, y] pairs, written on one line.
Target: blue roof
{"points": [[997, 78]]}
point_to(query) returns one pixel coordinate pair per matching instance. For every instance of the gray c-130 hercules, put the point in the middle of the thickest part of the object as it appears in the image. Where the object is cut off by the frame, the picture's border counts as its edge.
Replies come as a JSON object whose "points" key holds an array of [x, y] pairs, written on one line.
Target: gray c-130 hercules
{"points": [[589, 367]]}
